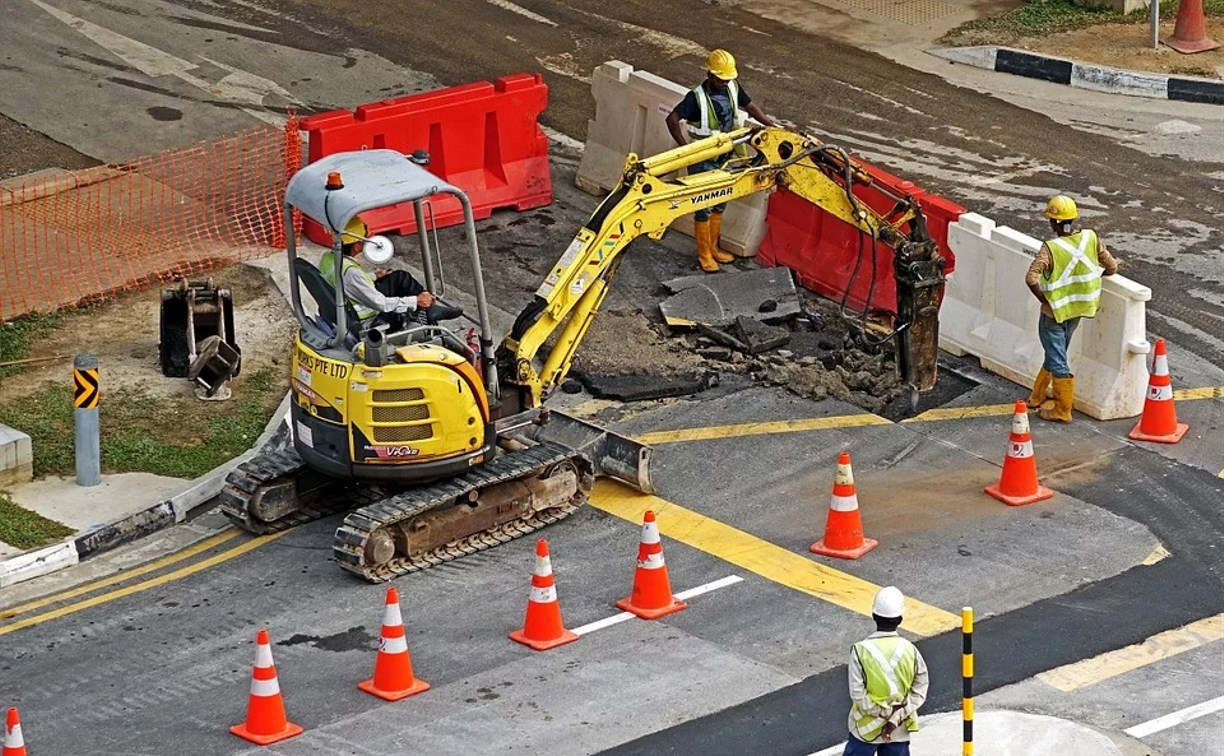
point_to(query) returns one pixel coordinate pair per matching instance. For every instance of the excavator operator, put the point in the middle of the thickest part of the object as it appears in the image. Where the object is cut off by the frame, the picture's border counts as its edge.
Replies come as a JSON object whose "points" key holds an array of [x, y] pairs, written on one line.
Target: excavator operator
{"points": [[715, 106], [393, 297]]}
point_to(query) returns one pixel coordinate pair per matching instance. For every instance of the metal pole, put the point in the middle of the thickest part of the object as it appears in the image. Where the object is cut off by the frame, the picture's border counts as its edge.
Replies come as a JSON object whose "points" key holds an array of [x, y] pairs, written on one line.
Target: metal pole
{"points": [[1155, 15], [967, 678], [85, 416]]}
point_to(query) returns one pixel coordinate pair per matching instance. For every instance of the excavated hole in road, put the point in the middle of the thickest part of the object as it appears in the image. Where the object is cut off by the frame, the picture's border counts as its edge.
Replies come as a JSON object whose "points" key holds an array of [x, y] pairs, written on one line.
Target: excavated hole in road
{"points": [[830, 356]]}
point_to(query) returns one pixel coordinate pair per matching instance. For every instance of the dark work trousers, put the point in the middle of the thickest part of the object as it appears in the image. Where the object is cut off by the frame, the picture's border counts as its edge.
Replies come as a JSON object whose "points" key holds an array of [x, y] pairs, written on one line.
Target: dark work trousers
{"points": [[397, 283]]}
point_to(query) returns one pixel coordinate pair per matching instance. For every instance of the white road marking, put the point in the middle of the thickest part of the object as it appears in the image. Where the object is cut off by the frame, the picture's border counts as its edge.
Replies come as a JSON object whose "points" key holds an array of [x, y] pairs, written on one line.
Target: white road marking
{"points": [[683, 595], [831, 750], [239, 87], [1176, 718], [507, 5]]}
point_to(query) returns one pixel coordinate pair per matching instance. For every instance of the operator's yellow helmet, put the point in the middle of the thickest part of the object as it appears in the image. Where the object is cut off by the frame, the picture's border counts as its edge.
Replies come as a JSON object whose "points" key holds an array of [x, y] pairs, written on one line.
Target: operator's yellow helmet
{"points": [[1061, 208], [722, 64], [355, 228]]}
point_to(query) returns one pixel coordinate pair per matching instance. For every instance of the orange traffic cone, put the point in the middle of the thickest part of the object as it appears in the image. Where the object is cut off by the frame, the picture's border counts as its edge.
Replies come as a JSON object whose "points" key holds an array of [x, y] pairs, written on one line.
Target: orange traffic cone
{"points": [[843, 534], [651, 597], [1190, 31], [542, 628], [1159, 420], [265, 721], [1018, 484], [393, 678], [14, 744]]}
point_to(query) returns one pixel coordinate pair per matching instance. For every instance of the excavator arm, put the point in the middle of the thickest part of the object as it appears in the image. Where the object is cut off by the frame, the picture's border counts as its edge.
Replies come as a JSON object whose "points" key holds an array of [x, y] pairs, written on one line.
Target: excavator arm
{"points": [[649, 198]]}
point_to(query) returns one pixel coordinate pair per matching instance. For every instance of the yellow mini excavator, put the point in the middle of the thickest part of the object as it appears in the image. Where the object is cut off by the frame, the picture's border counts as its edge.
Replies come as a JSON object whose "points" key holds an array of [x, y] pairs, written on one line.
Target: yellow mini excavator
{"points": [[437, 447]]}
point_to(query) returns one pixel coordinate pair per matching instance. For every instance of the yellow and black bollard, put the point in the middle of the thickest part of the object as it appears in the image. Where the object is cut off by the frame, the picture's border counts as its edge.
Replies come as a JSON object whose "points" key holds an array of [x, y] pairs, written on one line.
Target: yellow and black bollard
{"points": [[967, 678], [85, 419]]}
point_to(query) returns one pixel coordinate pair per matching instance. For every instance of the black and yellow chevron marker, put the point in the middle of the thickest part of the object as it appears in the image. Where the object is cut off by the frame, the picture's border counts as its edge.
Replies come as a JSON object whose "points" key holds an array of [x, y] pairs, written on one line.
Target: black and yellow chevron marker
{"points": [[85, 388], [967, 678]]}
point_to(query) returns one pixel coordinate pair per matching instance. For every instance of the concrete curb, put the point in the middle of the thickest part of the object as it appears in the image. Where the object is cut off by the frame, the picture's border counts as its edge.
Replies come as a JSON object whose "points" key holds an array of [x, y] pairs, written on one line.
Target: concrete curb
{"points": [[164, 514], [1086, 75]]}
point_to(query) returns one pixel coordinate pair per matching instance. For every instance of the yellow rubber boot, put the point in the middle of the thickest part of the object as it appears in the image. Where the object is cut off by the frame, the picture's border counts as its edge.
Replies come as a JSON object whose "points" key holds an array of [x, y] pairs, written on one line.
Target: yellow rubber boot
{"points": [[715, 236], [1041, 386], [701, 230], [1064, 397]]}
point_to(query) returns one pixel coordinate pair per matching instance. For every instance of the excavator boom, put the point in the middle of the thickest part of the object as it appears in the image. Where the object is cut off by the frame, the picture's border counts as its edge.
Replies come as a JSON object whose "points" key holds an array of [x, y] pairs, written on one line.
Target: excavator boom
{"points": [[649, 198]]}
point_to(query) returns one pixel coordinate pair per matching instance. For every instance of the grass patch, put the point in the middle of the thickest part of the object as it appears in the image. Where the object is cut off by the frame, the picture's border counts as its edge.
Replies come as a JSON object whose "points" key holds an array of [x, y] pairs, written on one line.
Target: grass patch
{"points": [[1038, 18], [15, 337], [25, 529], [176, 437]]}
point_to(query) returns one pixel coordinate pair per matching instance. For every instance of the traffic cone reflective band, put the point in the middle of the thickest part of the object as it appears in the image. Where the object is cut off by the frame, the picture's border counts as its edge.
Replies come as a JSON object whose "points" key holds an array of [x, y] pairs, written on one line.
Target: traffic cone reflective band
{"points": [[14, 744], [265, 722], [542, 628], [843, 534], [651, 597], [1159, 420], [393, 678], [1018, 485], [1190, 30]]}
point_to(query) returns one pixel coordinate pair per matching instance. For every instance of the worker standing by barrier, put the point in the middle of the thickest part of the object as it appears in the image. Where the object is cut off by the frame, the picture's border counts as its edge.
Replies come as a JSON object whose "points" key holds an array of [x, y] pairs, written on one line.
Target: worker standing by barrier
{"points": [[715, 106], [1066, 278], [85, 420], [888, 683]]}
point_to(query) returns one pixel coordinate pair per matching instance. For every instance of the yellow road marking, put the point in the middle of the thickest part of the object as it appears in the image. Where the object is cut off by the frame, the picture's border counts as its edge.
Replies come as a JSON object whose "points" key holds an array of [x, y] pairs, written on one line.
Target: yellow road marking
{"points": [[710, 432], [1081, 674], [169, 577], [960, 413], [768, 560], [144, 569], [760, 429], [1159, 554], [1204, 392]]}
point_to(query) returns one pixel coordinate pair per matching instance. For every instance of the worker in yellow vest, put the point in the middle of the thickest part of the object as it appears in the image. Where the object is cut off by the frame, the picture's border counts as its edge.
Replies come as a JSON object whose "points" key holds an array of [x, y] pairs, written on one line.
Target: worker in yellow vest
{"points": [[888, 684], [717, 105], [393, 297], [1065, 276]]}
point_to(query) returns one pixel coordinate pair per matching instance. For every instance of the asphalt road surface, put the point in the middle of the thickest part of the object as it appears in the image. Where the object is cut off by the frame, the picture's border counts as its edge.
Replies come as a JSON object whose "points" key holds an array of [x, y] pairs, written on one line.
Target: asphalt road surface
{"points": [[158, 663]]}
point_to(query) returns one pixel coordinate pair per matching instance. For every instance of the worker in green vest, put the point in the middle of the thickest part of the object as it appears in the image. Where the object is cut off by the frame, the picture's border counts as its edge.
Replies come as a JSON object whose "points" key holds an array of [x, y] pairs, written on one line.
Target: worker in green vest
{"points": [[393, 297], [1065, 276], [888, 684], [715, 106]]}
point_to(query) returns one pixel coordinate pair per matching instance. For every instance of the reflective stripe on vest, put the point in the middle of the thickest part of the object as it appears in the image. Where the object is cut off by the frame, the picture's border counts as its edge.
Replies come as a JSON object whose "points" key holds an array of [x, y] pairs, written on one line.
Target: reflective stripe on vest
{"points": [[707, 123], [327, 267], [1073, 286], [889, 665]]}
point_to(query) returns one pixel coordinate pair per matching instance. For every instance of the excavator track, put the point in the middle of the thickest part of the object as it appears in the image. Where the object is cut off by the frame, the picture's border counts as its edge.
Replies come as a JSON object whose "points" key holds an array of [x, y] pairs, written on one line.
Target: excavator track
{"points": [[268, 468], [355, 533]]}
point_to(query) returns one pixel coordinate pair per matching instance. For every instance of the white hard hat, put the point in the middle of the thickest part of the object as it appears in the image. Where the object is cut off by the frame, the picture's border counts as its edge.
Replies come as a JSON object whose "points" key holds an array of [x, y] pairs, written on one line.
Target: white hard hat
{"points": [[889, 603]]}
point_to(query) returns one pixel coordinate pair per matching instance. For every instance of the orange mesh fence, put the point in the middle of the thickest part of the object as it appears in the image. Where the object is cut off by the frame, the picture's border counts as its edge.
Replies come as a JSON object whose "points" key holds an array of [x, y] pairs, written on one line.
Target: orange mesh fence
{"points": [[71, 237]]}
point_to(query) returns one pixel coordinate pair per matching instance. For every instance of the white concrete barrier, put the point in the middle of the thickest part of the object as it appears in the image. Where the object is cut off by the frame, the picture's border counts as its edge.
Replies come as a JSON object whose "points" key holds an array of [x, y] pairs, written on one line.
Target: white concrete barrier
{"points": [[630, 112], [989, 312]]}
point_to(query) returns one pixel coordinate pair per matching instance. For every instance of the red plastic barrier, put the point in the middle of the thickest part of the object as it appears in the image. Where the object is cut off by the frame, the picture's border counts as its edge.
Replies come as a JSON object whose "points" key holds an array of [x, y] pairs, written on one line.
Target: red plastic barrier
{"points": [[822, 250], [483, 138]]}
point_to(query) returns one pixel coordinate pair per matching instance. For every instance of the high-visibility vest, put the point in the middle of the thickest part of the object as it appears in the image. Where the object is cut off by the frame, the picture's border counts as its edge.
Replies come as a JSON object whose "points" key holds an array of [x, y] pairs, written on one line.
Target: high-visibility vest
{"points": [[889, 665], [327, 266], [707, 122], [1073, 285]]}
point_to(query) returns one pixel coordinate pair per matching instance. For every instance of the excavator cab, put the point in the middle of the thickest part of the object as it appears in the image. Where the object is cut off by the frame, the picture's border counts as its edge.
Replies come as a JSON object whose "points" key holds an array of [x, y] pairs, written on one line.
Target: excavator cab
{"points": [[403, 406]]}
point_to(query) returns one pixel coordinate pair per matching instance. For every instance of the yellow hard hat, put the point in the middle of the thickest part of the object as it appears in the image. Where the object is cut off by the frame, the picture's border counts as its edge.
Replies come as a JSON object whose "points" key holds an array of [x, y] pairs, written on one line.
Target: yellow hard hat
{"points": [[722, 64], [1061, 208], [355, 228]]}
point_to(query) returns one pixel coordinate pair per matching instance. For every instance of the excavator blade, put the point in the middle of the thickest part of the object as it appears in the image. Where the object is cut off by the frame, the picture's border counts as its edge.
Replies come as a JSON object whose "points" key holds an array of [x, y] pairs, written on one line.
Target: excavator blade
{"points": [[614, 455]]}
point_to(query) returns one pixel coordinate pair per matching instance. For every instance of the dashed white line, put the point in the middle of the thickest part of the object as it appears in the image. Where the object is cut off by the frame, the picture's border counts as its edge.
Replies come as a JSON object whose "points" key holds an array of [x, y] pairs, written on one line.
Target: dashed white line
{"points": [[1176, 718], [507, 5], [683, 595]]}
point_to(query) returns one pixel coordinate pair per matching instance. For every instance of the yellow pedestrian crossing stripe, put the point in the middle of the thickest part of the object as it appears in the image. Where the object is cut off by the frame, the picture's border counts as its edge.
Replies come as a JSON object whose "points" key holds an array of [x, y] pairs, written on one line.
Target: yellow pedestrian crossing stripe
{"points": [[768, 560]]}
